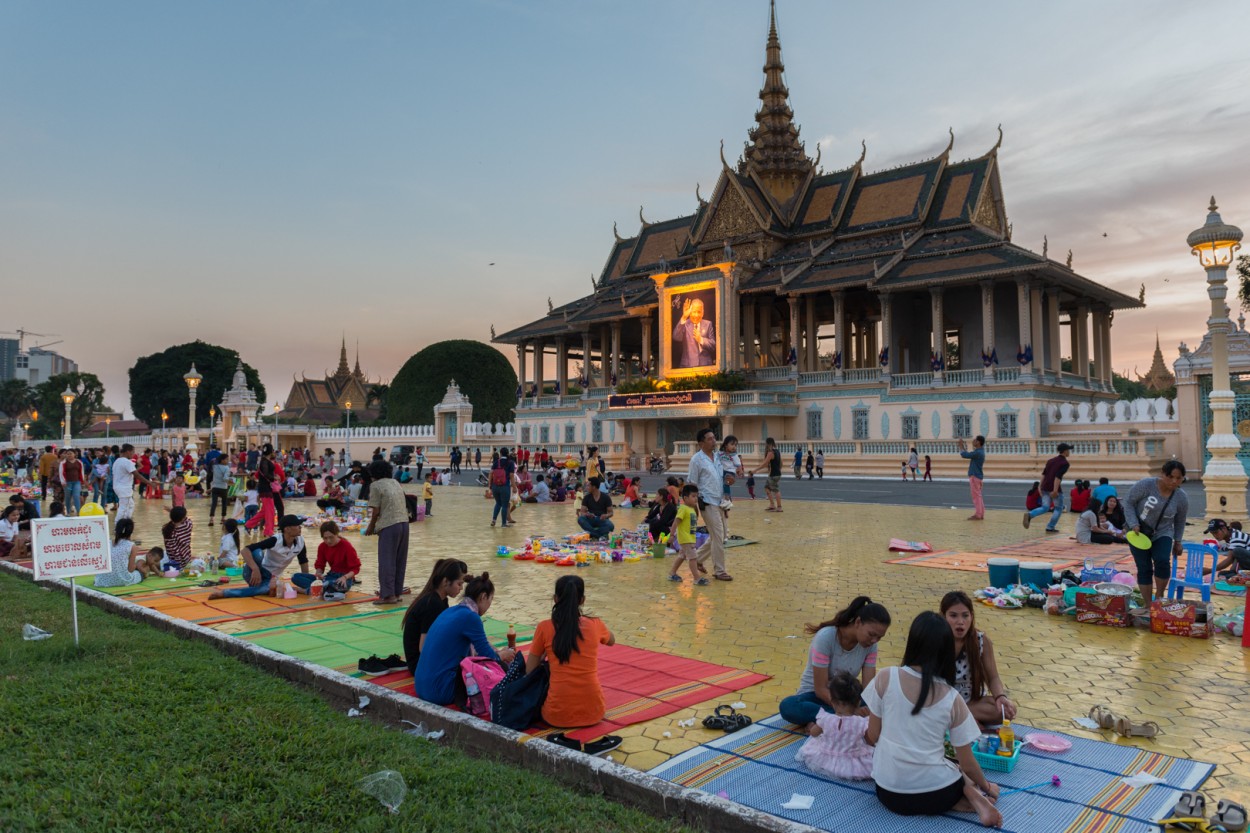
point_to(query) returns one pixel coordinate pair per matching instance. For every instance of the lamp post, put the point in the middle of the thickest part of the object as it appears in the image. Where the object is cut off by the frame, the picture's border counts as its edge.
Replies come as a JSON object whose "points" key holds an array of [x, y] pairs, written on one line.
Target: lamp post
{"points": [[193, 379], [1223, 477], [164, 434], [108, 424], [347, 452], [67, 427], [34, 415], [212, 423]]}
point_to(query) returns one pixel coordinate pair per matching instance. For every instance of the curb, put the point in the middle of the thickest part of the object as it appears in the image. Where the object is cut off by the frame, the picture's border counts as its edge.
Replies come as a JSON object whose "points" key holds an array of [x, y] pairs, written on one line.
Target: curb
{"points": [[586, 774]]}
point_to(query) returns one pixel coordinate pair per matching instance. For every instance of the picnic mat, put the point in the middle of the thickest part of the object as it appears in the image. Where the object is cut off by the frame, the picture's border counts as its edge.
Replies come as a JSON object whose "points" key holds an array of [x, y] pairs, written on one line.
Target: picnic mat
{"points": [[639, 685], [340, 643], [1062, 553], [756, 767], [158, 584], [193, 604]]}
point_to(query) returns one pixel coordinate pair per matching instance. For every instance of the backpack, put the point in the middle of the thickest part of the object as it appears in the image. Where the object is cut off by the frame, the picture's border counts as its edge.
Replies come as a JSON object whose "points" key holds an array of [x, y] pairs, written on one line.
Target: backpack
{"points": [[499, 475], [481, 675], [516, 701]]}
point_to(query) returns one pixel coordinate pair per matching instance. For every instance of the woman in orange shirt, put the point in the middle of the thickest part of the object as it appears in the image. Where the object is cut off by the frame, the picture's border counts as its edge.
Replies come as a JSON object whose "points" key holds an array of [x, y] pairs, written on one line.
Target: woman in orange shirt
{"points": [[570, 643]]}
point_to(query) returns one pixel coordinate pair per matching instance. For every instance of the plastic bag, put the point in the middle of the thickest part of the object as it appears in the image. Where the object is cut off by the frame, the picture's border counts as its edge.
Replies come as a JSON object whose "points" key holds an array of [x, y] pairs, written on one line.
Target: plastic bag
{"points": [[387, 786], [33, 634]]}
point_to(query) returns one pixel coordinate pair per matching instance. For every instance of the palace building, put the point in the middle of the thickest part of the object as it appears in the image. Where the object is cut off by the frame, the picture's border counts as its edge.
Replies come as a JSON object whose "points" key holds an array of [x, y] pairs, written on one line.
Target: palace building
{"points": [[866, 311], [323, 401]]}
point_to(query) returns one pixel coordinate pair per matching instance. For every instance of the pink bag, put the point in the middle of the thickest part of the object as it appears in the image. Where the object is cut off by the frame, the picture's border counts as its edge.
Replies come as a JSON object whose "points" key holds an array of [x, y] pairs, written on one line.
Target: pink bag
{"points": [[900, 545], [481, 675]]}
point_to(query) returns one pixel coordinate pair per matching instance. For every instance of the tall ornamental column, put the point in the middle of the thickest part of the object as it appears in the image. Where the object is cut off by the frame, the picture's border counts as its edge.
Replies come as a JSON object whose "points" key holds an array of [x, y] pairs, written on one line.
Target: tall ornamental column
{"points": [[937, 314], [1096, 319], [562, 366], [766, 334], [646, 343], [616, 352], [605, 363], [839, 333], [987, 326], [1024, 312], [539, 361], [812, 362], [749, 360], [1052, 322], [1108, 370], [793, 340], [1038, 331], [887, 339], [586, 374], [1080, 340], [520, 362]]}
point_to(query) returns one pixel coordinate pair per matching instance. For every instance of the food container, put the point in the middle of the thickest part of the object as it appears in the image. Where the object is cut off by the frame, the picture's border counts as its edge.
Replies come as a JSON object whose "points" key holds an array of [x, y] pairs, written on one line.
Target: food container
{"points": [[1004, 571]]}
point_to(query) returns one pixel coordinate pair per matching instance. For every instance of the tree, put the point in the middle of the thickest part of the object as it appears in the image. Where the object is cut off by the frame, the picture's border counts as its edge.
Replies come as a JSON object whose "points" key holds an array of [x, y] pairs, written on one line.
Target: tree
{"points": [[481, 371], [15, 397], [1243, 274], [156, 381], [46, 399], [377, 393]]}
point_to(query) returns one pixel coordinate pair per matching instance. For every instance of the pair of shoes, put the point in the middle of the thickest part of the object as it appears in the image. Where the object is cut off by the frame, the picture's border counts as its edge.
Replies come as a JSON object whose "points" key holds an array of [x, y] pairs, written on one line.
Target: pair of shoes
{"points": [[702, 582], [674, 577], [395, 662], [373, 666], [728, 723], [210, 522], [723, 577], [1191, 809], [1048, 529]]}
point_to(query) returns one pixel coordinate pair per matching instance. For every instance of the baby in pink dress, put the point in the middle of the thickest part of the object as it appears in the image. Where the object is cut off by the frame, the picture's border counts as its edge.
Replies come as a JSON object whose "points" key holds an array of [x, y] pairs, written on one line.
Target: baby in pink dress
{"points": [[836, 746]]}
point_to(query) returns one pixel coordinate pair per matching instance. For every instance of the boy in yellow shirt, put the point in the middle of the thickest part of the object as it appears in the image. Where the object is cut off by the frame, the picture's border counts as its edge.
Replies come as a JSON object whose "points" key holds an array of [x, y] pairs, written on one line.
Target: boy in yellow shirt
{"points": [[683, 534], [427, 493]]}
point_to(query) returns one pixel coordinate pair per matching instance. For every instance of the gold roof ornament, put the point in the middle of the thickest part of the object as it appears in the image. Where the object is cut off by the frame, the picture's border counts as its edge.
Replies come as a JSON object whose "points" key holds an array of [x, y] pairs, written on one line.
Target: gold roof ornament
{"points": [[617, 234], [1141, 296], [950, 145], [1045, 246], [492, 332], [1069, 263], [550, 306], [643, 219]]}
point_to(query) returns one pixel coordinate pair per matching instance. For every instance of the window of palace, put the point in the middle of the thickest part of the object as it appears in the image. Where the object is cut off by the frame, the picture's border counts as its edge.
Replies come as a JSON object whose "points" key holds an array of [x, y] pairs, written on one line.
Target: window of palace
{"points": [[570, 433], [544, 434], [963, 426], [859, 423], [814, 431], [525, 435], [911, 427], [596, 430], [952, 349], [1007, 426]]}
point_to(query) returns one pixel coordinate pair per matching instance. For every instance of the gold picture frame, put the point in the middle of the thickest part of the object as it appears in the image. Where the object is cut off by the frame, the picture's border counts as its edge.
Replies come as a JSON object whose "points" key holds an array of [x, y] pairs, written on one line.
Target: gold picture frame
{"points": [[691, 319]]}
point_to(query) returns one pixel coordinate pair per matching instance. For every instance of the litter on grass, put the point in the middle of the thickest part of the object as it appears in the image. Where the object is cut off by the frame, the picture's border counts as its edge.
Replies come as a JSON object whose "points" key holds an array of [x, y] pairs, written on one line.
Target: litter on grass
{"points": [[738, 705], [387, 786], [33, 634], [418, 730]]}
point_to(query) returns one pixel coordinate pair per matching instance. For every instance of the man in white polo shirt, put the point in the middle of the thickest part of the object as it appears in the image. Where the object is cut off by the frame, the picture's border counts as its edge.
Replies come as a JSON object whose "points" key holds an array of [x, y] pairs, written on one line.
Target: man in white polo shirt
{"points": [[124, 475], [706, 473]]}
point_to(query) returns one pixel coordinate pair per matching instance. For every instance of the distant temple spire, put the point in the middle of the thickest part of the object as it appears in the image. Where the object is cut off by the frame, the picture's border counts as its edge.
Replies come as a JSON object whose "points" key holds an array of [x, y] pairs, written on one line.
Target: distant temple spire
{"points": [[356, 372], [774, 151], [1158, 378], [343, 370]]}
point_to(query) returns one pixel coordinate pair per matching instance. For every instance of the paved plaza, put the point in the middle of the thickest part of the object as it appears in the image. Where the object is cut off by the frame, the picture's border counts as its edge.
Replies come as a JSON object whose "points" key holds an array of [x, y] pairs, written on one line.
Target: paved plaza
{"points": [[809, 562]]}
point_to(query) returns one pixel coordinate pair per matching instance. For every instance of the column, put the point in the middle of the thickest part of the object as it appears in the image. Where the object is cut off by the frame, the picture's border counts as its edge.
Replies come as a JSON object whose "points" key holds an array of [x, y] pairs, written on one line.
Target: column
{"points": [[1096, 317], [1024, 312], [616, 351], [1108, 373], [987, 325], [1035, 316], [812, 363], [646, 341], [749, 360], [938, 319], [1080, 341], [539, 361], [605, 370], [586, 361], [766, 334], [520, 361], [562, 366], [839, 332], [887, 340], [792, 342], [1052, 322]]}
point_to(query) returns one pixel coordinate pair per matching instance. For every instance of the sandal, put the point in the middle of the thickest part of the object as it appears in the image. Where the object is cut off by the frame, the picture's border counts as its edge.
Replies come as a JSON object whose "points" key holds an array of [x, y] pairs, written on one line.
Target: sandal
{"points": [[1127, 728], [559, 739], [1103, 716], [1191, 804], [1230, 815], [604, 744]]}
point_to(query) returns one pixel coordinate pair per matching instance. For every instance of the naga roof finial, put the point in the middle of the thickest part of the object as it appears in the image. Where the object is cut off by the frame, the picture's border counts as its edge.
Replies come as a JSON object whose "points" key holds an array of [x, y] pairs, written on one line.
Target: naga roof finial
{"points": [[863, 152], [492, 332], [950, 144], [616, 233], [999, 143], [816, 163], [698, 196], [722, 155], [643, 219]]}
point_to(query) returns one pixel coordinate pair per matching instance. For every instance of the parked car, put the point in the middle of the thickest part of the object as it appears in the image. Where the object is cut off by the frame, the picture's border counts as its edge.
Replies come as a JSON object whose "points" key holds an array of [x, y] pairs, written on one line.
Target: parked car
{"points": [[401, 455]]}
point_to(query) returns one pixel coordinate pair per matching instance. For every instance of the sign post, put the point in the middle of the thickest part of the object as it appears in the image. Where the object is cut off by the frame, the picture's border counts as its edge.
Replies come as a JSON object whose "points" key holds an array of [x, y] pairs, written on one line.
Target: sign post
{"points": [[69, 547]]}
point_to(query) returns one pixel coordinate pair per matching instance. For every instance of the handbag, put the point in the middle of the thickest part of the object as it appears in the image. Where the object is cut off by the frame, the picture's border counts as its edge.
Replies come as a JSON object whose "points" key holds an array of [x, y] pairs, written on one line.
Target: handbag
{"points": [[1148, 529], [516, 701]]}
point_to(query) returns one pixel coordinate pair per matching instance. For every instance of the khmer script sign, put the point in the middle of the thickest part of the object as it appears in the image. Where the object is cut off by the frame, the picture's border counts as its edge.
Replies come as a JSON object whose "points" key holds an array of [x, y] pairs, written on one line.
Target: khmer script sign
{"points": [[660, 398]]}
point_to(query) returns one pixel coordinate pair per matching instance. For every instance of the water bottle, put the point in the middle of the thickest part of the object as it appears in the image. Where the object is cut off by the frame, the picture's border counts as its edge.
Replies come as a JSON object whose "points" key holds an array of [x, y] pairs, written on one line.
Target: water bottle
{"points": [[1006, 740], [470, 686], [512, 637]]}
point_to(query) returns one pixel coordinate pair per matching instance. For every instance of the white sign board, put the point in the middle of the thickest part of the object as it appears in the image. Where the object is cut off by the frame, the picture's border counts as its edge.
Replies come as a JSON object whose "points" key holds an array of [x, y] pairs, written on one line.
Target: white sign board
{"points": [[65, 547]]}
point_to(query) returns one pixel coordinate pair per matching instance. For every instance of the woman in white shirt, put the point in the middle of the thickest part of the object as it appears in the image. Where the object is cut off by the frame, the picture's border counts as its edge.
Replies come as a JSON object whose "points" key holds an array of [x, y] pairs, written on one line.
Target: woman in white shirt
{"points": [[911, 708], [8, 528]]}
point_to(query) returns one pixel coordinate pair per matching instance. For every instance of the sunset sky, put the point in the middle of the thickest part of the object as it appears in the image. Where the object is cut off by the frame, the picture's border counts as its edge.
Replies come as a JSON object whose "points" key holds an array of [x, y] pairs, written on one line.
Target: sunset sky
{"points": [[268, 176]]}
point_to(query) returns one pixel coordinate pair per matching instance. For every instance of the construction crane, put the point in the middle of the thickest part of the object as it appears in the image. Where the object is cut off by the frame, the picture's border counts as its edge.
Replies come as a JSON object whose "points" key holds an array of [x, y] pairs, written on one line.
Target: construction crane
{"points": [[21, 337]]}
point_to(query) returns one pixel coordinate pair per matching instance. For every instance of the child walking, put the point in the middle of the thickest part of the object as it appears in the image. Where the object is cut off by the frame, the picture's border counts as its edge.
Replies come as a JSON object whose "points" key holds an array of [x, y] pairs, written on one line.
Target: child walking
{"points": [[751, 484], [251, 503], [683, 535], [928, 468], [427, 494], [836, 746], [178, 492]]}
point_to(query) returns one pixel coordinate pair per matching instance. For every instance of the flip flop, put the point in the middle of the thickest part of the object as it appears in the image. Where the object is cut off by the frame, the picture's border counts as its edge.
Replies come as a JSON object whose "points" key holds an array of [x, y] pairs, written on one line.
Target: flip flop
{"points": [[1230, 815], [1103, 716], [559, 739], [1190, 804], [1127, 728]]}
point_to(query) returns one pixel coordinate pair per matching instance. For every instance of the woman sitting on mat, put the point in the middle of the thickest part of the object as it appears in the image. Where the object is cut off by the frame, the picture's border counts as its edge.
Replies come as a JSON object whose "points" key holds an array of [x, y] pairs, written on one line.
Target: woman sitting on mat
{"points": [[976, 671], [445, 582], [847, 642], [1113, 511], [569, 642], [264, 562], [911, 709], [127, 569], [455, 633], [1091, 528]]}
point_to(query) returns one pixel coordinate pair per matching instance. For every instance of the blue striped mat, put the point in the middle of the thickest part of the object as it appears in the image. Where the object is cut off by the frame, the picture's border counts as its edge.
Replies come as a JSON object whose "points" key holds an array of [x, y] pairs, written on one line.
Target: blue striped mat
{"points": [[756, 767]]}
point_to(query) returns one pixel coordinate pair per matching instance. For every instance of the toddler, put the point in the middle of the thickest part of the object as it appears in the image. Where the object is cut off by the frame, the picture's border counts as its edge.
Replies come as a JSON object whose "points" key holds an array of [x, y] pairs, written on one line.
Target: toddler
{"points": [[179, 491], [427, 494], [683, 535], [836, 746], [228, 554], [751, 484], [251, 501]]}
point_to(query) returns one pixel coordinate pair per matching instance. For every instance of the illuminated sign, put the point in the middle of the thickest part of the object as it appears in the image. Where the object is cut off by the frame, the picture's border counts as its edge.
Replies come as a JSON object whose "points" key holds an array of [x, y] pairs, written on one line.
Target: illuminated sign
{"points": [[660, 398]]}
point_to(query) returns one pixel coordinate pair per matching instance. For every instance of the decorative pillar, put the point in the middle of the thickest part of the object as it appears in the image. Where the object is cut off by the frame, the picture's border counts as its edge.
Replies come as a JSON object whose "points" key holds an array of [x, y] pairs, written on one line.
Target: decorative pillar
{"points": [[1097, 317], [604, 369], [812, 353], [520, 361], [766, 334], [586, 374], [1038, 331], [539, 361], [1024, 312], [562, 366], [887, 340], [1080, 341], [938, 319], [839, 333], [1108, 371], [987, 326], [792, 340], [616, 352], [1052, 322], [646, 343], [749, 360]]}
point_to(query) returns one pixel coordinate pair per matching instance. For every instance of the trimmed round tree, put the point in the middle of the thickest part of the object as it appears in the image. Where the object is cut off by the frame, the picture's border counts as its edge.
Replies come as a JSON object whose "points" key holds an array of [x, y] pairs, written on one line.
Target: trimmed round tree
{"points": [[481, 371], [156, 381]]}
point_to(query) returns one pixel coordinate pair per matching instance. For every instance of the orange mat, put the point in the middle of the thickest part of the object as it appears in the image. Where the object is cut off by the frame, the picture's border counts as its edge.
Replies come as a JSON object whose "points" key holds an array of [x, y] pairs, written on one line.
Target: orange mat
{"points": [[193, 605], [1062, 553]]}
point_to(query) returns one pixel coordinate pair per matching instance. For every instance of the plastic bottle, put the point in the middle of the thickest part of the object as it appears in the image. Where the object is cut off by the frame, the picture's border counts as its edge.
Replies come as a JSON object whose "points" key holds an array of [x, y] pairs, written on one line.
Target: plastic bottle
{"points": [[512, 637], [1006, 740], [470, 686]]}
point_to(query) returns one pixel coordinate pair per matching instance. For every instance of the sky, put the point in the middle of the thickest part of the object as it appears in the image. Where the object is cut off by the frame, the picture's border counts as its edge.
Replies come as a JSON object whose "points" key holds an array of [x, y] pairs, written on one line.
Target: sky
{"points": [[270, 176]]}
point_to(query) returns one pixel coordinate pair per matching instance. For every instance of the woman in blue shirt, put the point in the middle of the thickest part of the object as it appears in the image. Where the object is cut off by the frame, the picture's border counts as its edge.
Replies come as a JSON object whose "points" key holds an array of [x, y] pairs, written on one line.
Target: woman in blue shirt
{"points": [[455, 634]]}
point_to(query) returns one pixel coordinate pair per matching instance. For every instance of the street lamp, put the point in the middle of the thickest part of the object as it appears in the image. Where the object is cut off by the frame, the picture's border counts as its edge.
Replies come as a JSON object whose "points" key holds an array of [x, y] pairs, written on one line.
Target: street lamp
{"points": [[212, 423], [1223, 477], [67, 427], [164, 435], [347, 453], [193, 379], [108, 424]]}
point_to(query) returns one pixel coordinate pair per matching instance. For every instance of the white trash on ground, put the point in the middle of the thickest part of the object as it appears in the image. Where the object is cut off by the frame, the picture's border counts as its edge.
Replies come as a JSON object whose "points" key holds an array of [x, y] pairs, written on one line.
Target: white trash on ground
{"points": [[33, 634], [387, 786], [418, 730]]}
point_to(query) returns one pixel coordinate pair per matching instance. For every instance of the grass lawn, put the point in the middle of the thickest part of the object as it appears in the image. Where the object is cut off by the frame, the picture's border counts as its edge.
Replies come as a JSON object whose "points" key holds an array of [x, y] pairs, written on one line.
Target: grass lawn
{"points": [[139, 730]]}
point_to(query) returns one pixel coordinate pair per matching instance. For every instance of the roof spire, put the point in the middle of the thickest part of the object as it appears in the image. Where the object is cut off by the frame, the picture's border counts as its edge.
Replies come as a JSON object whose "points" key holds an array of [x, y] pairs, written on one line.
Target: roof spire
{"points": [[343, 370], [774, 150], [357, 372]]}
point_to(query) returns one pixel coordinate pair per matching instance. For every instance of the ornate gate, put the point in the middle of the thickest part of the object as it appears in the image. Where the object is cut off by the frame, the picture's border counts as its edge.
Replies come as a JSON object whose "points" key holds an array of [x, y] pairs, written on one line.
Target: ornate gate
{"points": [[1241, 415]]}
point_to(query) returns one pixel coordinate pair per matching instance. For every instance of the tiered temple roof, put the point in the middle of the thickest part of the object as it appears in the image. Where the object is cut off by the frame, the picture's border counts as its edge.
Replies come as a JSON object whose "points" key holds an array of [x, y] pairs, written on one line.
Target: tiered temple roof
{"points": [[324, 400], [794, 229]]}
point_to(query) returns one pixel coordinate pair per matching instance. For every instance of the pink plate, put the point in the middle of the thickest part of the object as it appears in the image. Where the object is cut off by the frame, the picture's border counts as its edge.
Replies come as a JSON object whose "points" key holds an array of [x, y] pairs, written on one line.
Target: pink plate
{"points": [[1049, 743]]}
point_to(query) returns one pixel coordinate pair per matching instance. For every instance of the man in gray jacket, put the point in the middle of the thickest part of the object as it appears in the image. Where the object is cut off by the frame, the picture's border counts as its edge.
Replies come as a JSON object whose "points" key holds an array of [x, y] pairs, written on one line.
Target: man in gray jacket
{"points": [[1157, 507]]}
